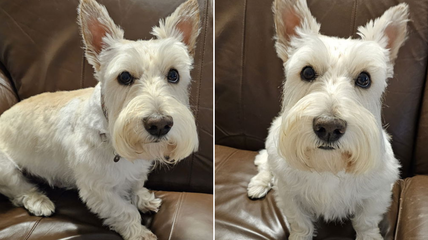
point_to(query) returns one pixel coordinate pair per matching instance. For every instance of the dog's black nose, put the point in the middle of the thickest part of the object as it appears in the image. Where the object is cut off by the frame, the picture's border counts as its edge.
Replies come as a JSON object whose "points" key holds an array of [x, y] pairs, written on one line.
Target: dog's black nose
{"points": [[158, 125], [329, 129]]}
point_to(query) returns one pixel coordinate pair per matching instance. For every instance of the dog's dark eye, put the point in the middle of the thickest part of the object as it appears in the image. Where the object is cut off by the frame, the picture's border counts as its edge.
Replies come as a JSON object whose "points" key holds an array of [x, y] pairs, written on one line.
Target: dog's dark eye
{"points": [[363, 80], [308, 73], [125, 78], [173, 76]]}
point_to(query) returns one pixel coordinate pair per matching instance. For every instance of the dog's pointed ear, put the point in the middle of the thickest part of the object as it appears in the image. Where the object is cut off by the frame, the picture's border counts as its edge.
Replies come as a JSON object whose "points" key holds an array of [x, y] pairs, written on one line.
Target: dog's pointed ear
{"points": [[292, 18], [182, 24], [98, 30], [390, 30]]}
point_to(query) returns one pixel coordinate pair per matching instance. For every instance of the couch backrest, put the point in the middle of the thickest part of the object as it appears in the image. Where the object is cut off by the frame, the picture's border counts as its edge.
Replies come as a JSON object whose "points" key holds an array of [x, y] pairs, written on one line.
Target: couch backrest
{"points": [[41, 50], [249, 74]]}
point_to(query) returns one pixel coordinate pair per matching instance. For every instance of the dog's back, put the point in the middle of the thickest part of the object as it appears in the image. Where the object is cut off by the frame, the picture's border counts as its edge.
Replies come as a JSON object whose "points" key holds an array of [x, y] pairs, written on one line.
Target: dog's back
{"points": [[26, 126]]}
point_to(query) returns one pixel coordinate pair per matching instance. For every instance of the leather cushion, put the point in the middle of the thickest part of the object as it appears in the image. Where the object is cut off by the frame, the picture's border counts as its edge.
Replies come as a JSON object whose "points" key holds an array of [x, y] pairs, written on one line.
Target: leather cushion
{"points": [[185, 216]]}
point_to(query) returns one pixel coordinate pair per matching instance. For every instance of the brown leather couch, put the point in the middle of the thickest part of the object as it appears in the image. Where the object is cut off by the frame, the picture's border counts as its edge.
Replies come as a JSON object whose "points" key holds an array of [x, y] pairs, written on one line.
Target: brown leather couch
{"points": [[40, 51], [248, 92]]}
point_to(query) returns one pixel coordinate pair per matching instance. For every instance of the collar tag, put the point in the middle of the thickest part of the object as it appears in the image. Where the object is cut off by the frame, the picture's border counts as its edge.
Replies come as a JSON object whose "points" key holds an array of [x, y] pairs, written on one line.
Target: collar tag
{"points": [[116, 158]]}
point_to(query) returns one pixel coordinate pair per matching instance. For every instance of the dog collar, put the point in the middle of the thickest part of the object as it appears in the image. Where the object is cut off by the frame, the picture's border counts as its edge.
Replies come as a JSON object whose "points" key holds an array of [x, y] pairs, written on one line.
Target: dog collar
{"points": [[104, 109]]}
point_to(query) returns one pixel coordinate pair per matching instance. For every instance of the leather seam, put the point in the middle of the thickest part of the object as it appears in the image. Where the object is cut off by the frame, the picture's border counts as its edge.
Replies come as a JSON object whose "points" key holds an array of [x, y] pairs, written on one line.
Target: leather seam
{"points": [[237, 135], [354, 18], [33, 228], [241, 114], [199, 84], [82, 72], [180, 203], [400, 204], [202, 59]]}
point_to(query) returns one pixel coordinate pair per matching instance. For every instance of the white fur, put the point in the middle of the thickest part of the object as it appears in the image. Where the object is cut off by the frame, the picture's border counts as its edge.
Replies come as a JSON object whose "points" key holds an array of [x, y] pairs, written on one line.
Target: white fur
{"points": [[66, 139], [355, 179]]}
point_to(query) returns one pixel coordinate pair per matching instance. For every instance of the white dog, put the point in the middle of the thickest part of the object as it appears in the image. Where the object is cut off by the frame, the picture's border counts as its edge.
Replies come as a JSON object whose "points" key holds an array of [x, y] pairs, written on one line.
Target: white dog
{"points": [[327, 154], [103, 140]]}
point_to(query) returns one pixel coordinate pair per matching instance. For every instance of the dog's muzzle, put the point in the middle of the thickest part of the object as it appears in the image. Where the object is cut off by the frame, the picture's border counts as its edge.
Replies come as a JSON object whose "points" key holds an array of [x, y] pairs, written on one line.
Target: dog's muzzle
{"points": [[158, 125], [329, 129]]}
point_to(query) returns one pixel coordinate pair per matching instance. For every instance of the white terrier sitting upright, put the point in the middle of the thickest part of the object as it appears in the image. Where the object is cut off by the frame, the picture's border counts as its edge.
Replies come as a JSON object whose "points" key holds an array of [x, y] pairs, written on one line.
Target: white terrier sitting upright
{"points": [[139, 111], [327, 154]]}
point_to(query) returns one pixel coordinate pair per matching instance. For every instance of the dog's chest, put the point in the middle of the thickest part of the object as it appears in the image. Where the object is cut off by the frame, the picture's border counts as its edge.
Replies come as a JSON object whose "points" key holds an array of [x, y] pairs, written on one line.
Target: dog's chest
{"points": [[122, 174], [327, 195]]}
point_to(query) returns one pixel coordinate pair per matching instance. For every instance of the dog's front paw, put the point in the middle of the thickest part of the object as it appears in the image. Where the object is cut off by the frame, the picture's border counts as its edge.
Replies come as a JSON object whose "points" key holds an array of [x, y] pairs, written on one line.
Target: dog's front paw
{"points": [[138, 233], [297, 236], [151, 205], [38, 204], [372, 236], [150, 236], [147, 235], [147, 201], [258, 188]]}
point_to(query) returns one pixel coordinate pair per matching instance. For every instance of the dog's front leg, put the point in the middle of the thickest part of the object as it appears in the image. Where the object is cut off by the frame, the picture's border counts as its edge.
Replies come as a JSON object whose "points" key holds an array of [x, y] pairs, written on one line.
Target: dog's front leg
{"points": [[143, 199], [300, 222], [367, 217], [118, 213], [301, 226]]}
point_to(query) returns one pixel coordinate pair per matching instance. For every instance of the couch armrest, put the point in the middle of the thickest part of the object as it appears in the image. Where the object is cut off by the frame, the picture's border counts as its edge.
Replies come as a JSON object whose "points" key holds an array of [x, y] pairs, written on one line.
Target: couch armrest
{"points": [[8, 96], [412, 220]]}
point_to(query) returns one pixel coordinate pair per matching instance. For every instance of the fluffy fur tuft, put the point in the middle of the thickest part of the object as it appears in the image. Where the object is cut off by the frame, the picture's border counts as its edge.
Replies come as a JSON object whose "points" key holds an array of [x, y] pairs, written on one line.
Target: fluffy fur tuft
{"points": [[389, 31], [96, 26], [183, 25]]}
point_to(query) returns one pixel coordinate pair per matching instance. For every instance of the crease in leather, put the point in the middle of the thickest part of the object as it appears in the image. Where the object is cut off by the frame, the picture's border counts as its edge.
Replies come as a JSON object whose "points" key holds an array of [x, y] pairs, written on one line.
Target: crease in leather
{"points": [[177, 212], [19, 27], [206, 132], [33, 228], [82, 72], [242, 113], [399, 207], [415, 152], [217, 127], [189, 182], [126, 14], [244, 135], [225, 160], [400, 204], [192, 159], [354, 19], [202, 56]]}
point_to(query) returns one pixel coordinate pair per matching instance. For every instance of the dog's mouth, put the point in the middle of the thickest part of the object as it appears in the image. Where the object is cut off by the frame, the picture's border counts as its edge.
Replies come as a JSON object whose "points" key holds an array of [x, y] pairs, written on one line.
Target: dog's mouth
{"points": [[157, 139], [323, 147]]}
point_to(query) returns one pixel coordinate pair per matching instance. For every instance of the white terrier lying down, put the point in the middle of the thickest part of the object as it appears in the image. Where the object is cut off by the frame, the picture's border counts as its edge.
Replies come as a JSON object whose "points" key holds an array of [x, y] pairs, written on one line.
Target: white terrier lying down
{"points": [[327, 154], [139, 111]]}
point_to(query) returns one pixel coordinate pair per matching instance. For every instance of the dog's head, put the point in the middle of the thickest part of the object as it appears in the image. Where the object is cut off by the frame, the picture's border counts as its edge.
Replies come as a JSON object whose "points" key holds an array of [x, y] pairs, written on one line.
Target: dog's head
{"points": [[331, 113], [145, 84]]}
